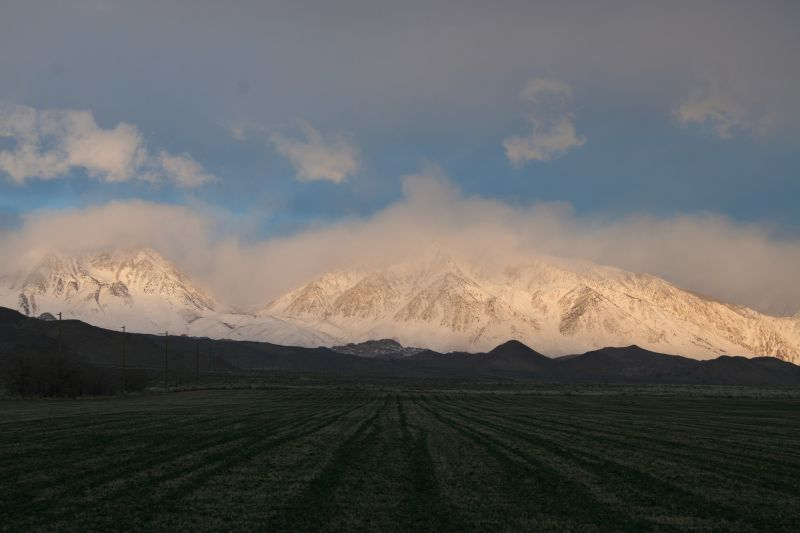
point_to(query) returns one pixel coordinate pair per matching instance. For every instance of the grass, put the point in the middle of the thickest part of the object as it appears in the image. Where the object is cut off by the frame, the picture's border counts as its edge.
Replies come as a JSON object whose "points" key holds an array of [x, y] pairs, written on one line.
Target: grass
{"points": [[325, 459]]}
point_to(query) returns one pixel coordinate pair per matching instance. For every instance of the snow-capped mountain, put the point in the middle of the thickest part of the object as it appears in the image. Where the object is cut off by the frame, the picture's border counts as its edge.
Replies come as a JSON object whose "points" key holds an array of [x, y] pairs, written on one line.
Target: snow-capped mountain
{"points": [[433, 301], [555, 306], [140, 289], [134, 287]]}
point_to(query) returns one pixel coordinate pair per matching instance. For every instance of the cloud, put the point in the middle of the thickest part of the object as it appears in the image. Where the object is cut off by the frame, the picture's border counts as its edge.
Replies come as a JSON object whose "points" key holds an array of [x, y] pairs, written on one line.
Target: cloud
{"points": [[720, 114], [725, 107], [543, 143], [51, 143], [538, 89], [242, 130], [423, 70], [752, 266], [183, 170], [319, 157], [238, 132], [552, 127]]}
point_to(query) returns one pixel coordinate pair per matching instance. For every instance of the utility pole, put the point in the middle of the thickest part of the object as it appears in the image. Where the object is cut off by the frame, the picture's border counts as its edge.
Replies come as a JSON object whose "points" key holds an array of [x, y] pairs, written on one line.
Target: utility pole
{"points": [[263, 370], [197, 362], [166, 358], [211, 365], [60, 358], [60, 349], [124, 342]]}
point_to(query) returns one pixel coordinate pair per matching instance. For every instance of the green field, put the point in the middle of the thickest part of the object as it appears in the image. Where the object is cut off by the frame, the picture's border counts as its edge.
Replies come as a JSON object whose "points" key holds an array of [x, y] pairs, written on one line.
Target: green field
{"points": [[324, 459]]}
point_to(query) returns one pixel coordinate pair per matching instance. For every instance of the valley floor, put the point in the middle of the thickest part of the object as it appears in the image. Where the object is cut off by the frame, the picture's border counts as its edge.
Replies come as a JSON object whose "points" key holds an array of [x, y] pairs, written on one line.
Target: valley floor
{"points": [[327, 459]]}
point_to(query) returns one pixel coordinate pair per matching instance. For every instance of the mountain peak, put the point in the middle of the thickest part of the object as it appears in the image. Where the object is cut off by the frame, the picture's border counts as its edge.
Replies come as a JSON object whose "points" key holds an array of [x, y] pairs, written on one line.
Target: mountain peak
{"points": [[379, 349], [514, 348], [106, 283], [563, 306]]}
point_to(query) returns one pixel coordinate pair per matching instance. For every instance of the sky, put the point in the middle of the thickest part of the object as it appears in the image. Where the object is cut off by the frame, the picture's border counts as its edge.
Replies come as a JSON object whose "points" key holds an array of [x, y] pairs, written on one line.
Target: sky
{"points": [[662, 137]]}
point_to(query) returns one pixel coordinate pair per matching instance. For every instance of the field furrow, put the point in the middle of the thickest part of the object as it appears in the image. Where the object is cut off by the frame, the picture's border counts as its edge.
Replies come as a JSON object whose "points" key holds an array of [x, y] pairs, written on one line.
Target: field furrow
{"points": [[364, 459]]}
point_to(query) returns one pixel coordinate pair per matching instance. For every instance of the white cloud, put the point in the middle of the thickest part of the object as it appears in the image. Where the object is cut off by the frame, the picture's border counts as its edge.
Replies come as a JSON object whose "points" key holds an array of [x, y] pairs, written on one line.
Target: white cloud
{"points": [[752, 266], [183, 170], [538, 89], [319, 157], [552, 128], [713, 109], [49, 144], [238, 131], [724, 111], [242, 130], [543, 143]]}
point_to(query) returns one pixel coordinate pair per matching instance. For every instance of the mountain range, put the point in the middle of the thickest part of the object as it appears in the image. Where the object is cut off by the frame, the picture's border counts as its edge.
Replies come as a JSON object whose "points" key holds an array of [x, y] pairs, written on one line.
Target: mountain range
{"points": [[74, 356], [434, 301]]}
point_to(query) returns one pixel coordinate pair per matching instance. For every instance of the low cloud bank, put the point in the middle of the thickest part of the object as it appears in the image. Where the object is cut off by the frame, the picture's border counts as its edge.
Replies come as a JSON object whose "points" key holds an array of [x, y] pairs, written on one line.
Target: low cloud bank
{"points": [[710, 254]]}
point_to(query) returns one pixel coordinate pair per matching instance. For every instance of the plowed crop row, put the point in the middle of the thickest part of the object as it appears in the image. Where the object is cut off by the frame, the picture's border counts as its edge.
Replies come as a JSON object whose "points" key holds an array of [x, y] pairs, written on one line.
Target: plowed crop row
{"points": [[308, 460]]}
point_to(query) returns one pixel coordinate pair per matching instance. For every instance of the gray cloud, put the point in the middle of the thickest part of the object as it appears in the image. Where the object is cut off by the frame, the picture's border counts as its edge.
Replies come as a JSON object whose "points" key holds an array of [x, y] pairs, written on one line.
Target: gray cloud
{"points": [[438, 65], [710, 254]]}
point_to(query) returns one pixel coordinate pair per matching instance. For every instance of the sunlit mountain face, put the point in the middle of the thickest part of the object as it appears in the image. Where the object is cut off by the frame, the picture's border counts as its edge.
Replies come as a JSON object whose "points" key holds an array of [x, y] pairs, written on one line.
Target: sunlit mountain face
{"points": [[433, 300]]}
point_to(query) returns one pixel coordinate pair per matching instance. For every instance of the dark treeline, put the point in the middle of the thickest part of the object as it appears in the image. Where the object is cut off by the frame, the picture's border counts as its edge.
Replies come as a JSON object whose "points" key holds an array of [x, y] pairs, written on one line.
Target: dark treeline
{"points": [[35, 361], [42, 374]]}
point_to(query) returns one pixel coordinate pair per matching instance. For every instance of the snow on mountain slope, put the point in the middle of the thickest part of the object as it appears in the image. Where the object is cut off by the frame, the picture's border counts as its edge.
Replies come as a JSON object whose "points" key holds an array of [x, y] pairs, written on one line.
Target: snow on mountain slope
{"points": [[243, 327], [140, 289], [136, 287], [555, 306]]}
